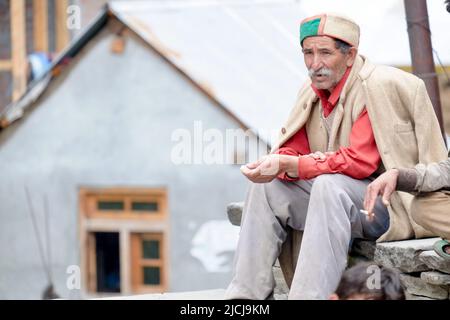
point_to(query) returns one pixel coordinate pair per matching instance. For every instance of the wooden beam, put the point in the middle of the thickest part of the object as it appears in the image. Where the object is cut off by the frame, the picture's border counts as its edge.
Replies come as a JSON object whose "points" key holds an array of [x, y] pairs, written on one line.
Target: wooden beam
{"points": [[91, 263], [62, 33], [125, 262], [40, 25], [5, 65], [18, 48]]}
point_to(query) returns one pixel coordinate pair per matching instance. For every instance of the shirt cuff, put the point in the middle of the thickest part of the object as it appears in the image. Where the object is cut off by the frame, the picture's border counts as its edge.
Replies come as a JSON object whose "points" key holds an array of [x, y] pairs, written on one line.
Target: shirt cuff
{"points": [[306, 166], [407, 180]]}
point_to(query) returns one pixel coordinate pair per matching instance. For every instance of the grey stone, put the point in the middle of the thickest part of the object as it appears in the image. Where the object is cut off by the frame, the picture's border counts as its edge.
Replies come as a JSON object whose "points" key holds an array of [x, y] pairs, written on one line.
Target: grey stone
{"points": [[234, 211], [435, 277], [409, 296], [353, 260], [363, 248], [434, 261], [403, 255], [418, 287]]}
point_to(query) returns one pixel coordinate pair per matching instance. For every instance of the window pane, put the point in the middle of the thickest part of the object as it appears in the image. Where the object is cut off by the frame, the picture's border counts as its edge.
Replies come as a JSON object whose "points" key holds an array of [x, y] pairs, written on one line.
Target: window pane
{"points": [[150, 249], [144, 206], [152, 276], [107, 261], [110, 205]]}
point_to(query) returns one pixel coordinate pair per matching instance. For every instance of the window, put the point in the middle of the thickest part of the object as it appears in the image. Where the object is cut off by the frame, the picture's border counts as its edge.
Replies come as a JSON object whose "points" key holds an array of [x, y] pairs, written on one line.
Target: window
{"points": [[142, 206], [110, 205], [126, 204], [148, 262], [123, 236]]}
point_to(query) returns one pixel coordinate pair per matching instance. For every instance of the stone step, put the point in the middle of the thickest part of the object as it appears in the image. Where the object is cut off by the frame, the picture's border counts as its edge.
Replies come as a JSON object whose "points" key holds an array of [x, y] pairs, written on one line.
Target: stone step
{"points": [[409, 296], [435, 277], [404, 255], [363, 248], [417, 286], [434, 261]]}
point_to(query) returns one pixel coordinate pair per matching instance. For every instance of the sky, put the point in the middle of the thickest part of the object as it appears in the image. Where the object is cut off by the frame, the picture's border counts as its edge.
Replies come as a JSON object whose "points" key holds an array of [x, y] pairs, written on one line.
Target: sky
{"points": [[384, 37]]}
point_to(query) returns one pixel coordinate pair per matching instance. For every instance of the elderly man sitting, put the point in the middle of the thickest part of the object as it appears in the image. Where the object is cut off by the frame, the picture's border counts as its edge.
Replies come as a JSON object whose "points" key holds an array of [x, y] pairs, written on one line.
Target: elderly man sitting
{"points": [[362, 118], [429, 209]]}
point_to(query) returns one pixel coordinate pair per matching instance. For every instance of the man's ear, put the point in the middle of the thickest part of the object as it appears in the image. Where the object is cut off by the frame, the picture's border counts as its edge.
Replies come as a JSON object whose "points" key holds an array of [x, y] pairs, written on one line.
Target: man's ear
{"points": [[352, 53], [334, 296]]}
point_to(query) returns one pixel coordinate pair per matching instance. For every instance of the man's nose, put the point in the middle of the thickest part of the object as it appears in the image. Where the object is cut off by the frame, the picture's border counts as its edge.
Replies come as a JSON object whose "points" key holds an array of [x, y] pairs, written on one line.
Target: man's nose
{"points": [[316, 63]]}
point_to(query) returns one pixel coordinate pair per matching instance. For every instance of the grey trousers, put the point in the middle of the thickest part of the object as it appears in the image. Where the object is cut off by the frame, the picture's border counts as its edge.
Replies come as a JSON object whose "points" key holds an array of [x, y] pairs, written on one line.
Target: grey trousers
{"points": [[326, 209]]}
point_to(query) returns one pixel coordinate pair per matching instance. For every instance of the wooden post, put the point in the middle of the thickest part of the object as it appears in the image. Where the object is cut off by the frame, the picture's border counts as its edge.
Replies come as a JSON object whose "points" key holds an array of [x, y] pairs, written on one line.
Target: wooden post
{"points": [[18, 48], [125, 258], [422, 52], [62, 33], [5, 65], [91, 262], [40, 25]]}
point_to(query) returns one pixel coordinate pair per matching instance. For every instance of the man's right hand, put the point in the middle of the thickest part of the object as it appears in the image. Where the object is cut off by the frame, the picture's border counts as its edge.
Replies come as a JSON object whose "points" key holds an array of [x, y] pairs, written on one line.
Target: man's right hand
{"points": [[270, 167], [265, 169], [384, 185]]}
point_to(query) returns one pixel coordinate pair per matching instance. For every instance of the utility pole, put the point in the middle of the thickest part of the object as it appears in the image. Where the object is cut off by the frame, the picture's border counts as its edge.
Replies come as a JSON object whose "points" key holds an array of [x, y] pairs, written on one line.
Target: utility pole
{"points": [[422, 52]]}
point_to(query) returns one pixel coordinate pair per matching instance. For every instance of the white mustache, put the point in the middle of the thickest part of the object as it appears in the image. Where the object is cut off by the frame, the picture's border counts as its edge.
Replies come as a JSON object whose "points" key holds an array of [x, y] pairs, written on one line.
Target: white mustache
{"points": [[321, 72]]}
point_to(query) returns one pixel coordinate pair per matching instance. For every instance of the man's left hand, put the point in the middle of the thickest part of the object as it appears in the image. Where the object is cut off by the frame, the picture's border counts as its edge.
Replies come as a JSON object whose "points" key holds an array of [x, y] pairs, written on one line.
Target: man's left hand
{"points": [[384, 185]]}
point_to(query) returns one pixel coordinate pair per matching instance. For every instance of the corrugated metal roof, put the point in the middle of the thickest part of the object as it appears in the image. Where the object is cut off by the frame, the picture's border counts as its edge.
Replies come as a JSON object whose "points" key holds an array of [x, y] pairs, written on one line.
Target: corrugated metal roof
{"points": [[244, 54]]}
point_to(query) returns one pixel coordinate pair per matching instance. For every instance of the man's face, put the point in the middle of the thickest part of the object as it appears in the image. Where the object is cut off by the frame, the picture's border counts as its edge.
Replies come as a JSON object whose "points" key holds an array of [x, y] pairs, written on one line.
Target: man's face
{"points": [[325, 63]]}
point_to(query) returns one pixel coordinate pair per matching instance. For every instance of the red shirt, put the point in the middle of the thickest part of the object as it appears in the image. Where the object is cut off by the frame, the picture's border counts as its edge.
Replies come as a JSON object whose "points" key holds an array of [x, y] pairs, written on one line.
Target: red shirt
{"points": [[359, 160]]}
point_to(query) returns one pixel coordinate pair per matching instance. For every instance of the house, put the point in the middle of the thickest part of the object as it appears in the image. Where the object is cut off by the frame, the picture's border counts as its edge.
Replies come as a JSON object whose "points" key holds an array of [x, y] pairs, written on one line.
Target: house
{"points": [[92, 199], [99, 193]]}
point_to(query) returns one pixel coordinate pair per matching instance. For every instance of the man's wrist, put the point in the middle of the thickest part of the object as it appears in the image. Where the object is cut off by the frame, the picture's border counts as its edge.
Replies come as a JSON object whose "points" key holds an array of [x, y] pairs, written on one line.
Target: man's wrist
{"points": [[395, 172], [289, 165], [406, 180]]}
